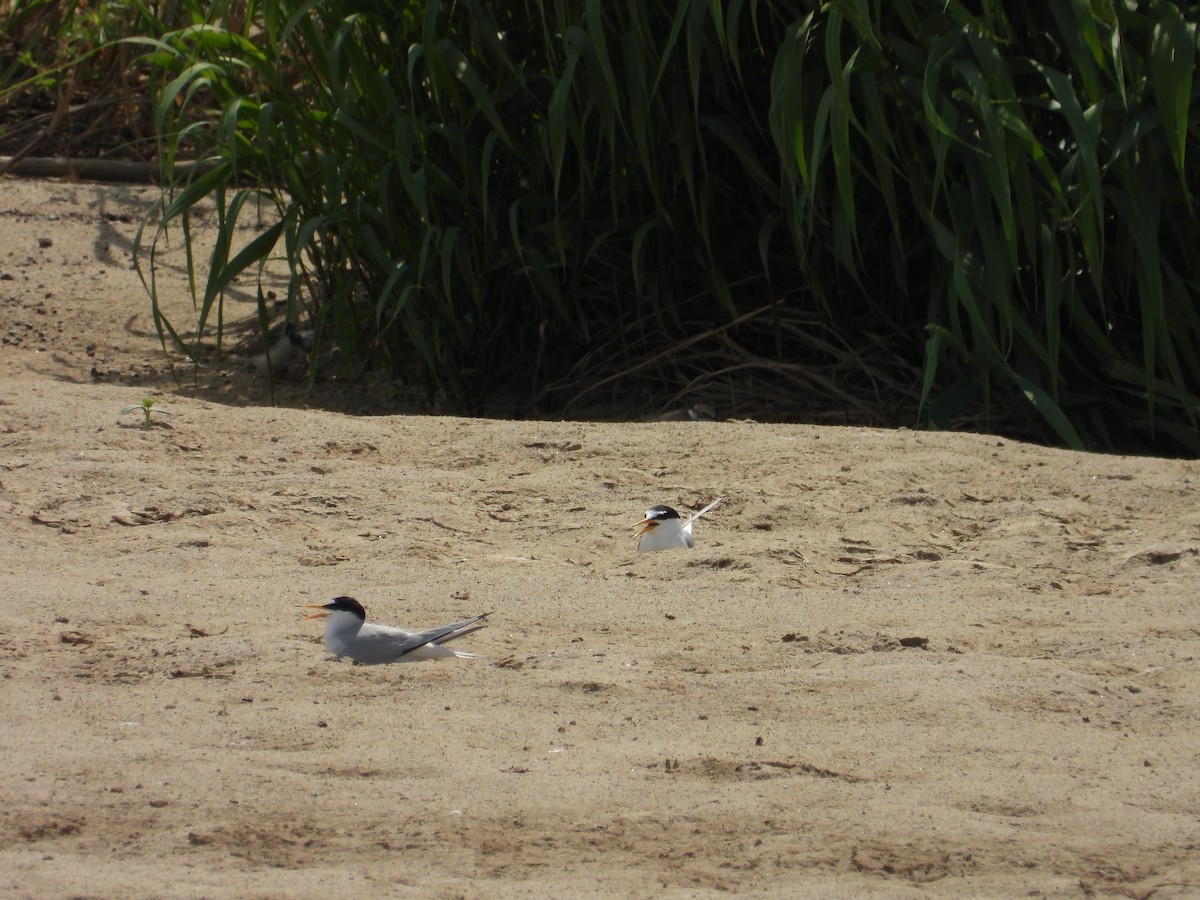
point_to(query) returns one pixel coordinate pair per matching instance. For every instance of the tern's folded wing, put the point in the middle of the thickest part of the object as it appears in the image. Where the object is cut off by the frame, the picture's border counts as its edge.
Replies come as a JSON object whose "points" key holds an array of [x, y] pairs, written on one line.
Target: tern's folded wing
{"points": [[442, 634], [373, 644], [713, 505]]}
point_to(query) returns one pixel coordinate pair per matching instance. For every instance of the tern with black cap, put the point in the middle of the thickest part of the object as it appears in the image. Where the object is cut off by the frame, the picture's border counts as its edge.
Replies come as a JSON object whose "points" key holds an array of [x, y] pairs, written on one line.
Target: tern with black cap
{"points": [[285, 342], [663, 529], [349, 634]]}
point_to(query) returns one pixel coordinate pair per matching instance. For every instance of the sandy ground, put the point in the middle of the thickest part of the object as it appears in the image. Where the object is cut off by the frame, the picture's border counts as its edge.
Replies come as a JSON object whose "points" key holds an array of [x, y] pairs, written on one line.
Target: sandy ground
{"points": [[896, 664]]}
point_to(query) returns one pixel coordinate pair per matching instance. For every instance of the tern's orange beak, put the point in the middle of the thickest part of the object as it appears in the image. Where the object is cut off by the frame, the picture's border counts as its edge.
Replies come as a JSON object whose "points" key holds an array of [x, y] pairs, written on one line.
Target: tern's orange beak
{"points": [[645, 525], [317, 615]]}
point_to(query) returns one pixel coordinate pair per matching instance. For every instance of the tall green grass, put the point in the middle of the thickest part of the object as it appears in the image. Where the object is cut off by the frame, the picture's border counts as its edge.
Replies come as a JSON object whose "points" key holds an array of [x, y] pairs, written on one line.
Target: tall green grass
{"points": [[67, 82], [979, 215], [1040, 204]]}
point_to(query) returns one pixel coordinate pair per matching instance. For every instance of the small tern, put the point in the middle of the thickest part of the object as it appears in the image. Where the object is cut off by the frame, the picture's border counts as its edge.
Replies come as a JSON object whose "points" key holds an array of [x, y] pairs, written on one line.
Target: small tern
{"points": [[285, 343], [348, 633], [662, 529]]}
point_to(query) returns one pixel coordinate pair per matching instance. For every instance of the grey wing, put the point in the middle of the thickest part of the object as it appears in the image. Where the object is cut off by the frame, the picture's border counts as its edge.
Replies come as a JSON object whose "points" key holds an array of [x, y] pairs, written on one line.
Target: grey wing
{"points": [[374, 644], [368, 647], [713, 505], [443, 634]]}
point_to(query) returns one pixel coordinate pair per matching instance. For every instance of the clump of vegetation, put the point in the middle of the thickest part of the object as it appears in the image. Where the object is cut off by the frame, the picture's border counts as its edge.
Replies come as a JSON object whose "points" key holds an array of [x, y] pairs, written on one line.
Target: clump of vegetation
{"points": [[983, 215], [147, 407], [68, 82], [958, 215]]}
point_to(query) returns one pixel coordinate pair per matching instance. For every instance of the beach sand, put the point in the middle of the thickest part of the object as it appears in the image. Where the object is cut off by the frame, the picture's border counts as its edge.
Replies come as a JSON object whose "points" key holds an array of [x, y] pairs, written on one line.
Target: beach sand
{"points": [[897, 663]]}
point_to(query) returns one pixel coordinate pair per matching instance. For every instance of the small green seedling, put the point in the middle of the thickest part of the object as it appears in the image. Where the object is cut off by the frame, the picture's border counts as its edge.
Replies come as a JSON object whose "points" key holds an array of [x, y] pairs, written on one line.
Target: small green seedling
{"points": [[147, 406]]}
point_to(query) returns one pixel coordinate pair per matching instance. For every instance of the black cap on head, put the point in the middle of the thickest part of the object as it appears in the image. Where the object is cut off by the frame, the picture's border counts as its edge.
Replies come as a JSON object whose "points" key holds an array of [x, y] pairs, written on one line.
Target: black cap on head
{"points": [[346, 604], [661, 513]]}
